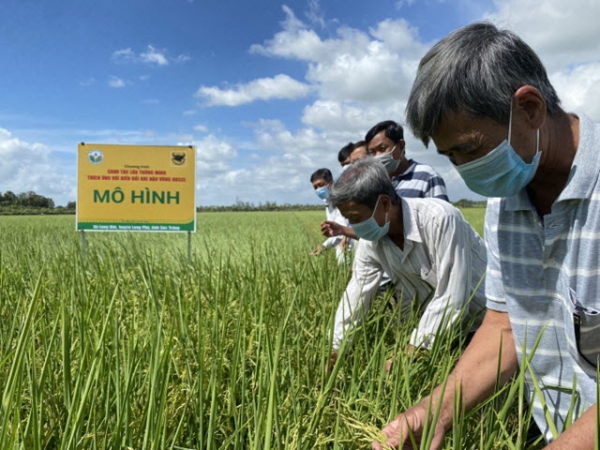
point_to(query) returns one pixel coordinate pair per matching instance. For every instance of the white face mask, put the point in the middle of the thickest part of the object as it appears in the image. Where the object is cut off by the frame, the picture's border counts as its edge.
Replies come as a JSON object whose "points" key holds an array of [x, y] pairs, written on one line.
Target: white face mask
{"points": [[388, 161]]}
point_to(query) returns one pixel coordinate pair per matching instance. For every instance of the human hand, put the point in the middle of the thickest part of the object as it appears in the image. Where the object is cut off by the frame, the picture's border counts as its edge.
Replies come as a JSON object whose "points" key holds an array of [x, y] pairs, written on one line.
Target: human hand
{"points": [[409, 350], [388, 365], [332, 360], [331, 229], [317, 251], [407, 426]]}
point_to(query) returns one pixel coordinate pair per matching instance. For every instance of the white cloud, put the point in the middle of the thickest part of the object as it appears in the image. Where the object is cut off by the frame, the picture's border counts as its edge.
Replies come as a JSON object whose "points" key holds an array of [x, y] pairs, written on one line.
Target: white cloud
{"points": [[201, 128], [116, 82], [280, 87], [211, 149], [123, 56], [375, 76], [360, 78], [188, 112], [400, 37], [181, 138], [565, 36], [402, 3], [351, 66], [562, 33], [153, 57], [293, 156], [213, 167], [315, 14], [296, 41], [87, 82], [283, 173], [579, 89], [351, 119], [182, 58], [150, 57], [34, 167]]}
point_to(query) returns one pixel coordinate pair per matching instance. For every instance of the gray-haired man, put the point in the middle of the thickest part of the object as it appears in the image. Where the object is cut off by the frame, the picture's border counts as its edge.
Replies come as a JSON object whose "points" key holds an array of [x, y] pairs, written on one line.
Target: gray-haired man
{"points": [[425, 245], [483, 96]]}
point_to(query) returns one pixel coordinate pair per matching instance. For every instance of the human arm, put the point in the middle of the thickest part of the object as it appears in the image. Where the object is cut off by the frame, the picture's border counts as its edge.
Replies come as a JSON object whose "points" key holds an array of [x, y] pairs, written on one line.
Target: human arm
{"points": [[581, 435], [333, 229], [457, 256], [357, 298], [332, 239], [336, 226], [475, 375], [318, 250]]}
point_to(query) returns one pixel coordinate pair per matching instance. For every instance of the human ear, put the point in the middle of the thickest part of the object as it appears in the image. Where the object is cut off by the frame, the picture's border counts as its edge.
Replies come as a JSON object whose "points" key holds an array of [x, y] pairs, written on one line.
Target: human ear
{"points": [[399, 149], [529, 106], [386, 202]]}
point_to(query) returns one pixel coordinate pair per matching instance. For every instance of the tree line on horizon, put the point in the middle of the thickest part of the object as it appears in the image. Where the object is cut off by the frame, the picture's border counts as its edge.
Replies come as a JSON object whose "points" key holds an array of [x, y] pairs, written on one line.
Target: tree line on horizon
{"points": [[29, 202]]}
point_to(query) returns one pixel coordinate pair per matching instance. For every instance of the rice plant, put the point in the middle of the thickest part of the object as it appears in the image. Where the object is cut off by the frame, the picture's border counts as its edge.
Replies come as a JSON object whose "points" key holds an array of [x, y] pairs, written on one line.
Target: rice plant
{"points": [[132, 348]]}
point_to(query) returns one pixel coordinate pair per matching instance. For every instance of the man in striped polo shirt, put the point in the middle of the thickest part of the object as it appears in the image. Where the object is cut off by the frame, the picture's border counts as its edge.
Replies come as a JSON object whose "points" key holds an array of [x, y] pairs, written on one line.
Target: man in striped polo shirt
{"points": [[410, 178], [483, 96]]}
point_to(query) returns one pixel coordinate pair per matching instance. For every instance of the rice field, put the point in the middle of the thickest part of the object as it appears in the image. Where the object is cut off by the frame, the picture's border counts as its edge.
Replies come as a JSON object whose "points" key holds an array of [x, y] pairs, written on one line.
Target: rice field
{"points": [[132, 348]]}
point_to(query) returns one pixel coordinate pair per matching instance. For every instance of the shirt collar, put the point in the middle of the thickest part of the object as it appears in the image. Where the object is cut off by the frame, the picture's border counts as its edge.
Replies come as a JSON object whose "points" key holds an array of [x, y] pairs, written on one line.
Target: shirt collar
{"points": [[411, 229], [584, 171], [586, 166], [411, 164]]}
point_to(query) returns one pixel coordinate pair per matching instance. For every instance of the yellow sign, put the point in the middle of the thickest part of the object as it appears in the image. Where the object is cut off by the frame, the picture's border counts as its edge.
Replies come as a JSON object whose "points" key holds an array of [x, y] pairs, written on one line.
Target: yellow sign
{"points": [[136, 188]]}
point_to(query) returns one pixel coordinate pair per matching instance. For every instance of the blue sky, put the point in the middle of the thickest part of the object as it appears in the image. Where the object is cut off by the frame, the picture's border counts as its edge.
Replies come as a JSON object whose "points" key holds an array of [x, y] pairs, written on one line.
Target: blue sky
{"points": [[268, 92]]}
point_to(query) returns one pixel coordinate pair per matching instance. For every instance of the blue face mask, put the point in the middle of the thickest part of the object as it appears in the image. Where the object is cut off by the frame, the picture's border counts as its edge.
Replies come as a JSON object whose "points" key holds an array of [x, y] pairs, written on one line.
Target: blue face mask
{"points": [[369, 229], [500, 173], [322, 192]]}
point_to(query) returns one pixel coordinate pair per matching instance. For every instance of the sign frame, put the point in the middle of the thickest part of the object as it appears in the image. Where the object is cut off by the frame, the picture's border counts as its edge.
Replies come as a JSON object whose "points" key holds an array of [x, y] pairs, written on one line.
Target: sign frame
{"points": [[137, 188]]}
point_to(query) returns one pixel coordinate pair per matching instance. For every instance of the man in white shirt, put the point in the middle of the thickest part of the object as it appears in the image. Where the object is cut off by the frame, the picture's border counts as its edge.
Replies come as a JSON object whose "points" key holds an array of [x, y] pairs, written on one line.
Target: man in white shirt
{"points": [[425, 246], [321, 181]]}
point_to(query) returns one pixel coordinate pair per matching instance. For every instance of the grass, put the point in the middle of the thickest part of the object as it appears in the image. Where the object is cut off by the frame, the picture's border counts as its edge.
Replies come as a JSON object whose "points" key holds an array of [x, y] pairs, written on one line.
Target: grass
{"points": [[131, 348], [475, 217]]}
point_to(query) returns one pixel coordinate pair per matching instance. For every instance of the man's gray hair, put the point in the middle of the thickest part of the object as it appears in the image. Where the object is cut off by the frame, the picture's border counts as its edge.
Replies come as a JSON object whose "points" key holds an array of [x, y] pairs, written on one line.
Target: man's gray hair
{"points": [[362, 182], [475, 69]]}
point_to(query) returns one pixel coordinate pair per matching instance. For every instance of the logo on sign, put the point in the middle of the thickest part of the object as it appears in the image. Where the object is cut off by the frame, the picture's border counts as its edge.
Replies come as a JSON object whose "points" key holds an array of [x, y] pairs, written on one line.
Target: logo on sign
{"points": [[178, 158], [95, 156]]}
